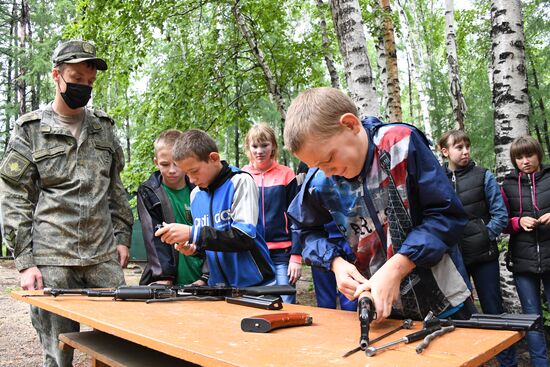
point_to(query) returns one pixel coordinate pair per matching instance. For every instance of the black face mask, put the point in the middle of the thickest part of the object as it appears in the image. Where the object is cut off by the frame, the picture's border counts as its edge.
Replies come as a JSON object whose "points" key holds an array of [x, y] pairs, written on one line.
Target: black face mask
{"points": [[76, 95]]}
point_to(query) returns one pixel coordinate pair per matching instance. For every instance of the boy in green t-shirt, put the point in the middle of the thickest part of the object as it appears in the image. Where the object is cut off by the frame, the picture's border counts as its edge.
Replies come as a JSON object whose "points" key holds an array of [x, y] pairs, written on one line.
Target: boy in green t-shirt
{"points": [[164, 198]]}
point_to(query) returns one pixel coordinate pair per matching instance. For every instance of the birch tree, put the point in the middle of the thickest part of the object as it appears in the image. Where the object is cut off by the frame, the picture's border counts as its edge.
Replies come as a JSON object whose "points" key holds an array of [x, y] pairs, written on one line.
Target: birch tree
{"points": [[416, 59], [327, 54], [23, 33], [9, 66], [541, 107], [348, 23], [272, 85], [510, 98], [427, 27], [394, 91], [382, 77], [457, 98]]}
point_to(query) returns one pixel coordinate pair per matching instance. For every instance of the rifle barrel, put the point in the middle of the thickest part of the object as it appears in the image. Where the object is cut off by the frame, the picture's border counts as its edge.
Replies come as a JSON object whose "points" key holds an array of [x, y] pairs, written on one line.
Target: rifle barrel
{"points": [[61, 291]]}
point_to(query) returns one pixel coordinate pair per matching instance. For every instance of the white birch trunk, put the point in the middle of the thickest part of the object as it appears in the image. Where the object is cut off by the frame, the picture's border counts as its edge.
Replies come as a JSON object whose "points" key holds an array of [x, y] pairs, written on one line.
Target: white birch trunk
{"points": [[417, 59], [394, 90], [348, 23], [329, 60], [457, 98], [426, 56], [510, 98], [383, 77], [22, 34]]}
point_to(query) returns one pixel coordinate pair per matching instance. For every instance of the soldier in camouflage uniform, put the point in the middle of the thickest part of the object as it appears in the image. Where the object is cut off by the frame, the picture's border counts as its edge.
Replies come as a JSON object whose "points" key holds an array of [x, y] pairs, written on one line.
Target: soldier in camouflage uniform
{"points": [[64, 211]]}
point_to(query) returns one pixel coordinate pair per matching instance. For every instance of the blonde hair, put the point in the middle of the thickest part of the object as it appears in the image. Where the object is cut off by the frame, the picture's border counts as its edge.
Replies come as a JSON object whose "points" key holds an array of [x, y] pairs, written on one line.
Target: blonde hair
{"points": [[315, 113], [257, 134], [167, 138]]}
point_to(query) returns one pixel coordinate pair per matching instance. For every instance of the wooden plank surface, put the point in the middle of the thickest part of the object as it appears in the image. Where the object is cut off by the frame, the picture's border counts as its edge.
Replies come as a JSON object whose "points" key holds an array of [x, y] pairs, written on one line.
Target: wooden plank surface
{"points": [[208, 333]]}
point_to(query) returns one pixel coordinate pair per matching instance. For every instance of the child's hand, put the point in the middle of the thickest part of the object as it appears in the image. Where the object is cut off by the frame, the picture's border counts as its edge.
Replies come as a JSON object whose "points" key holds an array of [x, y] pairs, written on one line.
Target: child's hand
{"points": [[545, 219], [528, 223], [294, 272], [348, 277], [199, 283], [384, 284], [187, 248], [172, 233], [384, 288]]}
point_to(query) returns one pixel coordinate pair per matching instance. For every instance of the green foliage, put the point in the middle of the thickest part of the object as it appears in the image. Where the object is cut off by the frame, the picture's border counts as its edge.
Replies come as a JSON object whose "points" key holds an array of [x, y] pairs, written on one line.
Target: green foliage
{"points": [[431, 27], [503, 243], [194, 69], [184, 64], [31, 61], [474, 49], [537, 51], [545, 313]]}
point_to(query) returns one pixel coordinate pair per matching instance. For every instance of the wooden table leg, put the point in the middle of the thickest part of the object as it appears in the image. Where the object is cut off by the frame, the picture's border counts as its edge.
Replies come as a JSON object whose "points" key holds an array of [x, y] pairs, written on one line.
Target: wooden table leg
{"points": [[96, 363]]}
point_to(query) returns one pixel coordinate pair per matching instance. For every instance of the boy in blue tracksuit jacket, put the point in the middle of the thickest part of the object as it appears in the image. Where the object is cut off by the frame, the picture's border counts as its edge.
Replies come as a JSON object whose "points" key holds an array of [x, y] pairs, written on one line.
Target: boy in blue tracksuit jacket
{"points": [[224, 206], [371, 178]]}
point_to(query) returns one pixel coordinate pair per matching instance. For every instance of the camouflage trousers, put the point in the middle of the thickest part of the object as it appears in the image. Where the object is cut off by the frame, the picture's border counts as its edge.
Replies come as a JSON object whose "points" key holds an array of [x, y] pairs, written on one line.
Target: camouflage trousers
{"points": [[49, 325]]}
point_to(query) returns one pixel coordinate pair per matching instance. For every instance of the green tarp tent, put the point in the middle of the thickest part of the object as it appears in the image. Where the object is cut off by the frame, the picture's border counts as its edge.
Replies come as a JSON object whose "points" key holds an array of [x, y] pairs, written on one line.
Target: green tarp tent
{"points": [[137, 249]]}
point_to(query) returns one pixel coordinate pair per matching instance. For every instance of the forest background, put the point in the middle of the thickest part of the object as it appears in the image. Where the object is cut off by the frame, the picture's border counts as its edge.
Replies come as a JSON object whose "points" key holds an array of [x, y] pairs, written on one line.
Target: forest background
{"points": [[224, 65]]}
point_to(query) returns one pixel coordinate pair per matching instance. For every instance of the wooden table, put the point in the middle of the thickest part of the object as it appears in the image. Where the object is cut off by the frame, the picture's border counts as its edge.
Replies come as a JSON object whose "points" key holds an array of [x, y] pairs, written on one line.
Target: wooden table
{"points": [[209, 334]]}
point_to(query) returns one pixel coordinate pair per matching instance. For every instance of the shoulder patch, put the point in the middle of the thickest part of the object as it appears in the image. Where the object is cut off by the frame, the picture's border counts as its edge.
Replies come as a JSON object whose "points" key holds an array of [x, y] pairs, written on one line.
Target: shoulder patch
{"points": [[103, 115], [31, 116], [14, 166]]}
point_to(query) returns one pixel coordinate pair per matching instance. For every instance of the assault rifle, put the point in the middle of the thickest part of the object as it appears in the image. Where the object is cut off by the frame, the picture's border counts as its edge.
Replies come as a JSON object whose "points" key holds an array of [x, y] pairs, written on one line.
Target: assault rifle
{"points": [[265, 297]]}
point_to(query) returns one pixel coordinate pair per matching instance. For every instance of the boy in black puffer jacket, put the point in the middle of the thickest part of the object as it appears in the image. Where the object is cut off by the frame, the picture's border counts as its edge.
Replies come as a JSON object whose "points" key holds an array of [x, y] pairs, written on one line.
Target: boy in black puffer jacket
{"points": [[164, 198]]}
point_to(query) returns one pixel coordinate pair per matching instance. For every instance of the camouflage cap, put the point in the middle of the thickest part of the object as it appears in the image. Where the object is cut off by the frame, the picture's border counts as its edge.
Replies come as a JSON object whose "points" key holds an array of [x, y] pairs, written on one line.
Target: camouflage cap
{"points": [[74, 52]]}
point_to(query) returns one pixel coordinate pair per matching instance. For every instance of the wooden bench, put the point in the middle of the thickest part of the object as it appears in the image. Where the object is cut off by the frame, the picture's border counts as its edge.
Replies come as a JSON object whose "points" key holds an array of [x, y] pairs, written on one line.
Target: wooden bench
{"points": [[108, 350]]}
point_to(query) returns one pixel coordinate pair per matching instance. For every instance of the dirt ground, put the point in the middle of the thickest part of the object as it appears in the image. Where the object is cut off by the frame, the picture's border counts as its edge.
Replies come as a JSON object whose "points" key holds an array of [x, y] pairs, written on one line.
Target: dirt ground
{"points": [[19, 345]]}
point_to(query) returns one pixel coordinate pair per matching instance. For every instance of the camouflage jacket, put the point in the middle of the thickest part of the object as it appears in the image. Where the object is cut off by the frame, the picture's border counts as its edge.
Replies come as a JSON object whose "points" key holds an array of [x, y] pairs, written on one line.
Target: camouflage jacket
{"points": [[62, 202]]}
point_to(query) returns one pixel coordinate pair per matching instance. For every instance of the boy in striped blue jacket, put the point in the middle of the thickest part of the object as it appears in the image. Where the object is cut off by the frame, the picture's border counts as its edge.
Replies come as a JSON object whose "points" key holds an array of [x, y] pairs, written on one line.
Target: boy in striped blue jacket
{"points": [[380, 192]]}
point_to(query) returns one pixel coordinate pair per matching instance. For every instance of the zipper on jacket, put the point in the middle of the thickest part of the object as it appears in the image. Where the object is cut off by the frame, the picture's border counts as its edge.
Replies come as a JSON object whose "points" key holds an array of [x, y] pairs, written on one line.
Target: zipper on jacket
{"points": [[216, 253], [453, 180], [263, 200], [530, 177]]}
